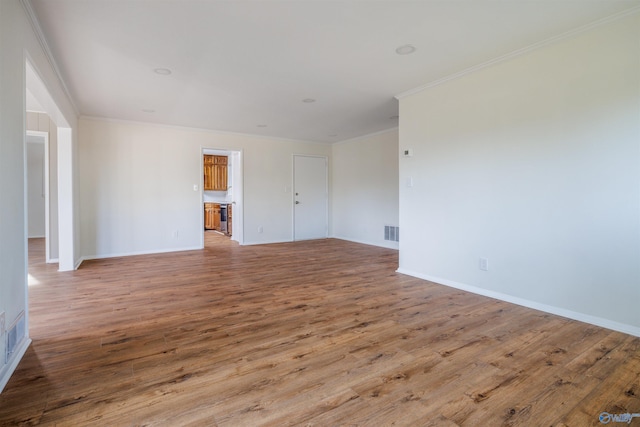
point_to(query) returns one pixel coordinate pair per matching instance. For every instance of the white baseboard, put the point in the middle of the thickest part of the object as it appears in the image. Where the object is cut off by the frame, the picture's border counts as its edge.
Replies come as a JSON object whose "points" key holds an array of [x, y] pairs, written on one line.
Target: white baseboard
{"points": [[265, 243], [9, 368], [582, 317], [134, 253], [389, 245]]}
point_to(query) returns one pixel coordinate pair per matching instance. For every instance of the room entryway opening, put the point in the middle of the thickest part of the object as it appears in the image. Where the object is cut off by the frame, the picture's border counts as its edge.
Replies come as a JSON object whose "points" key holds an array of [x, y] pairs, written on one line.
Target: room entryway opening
{"points": [[47, 191], [39, 223], [222, 196]]}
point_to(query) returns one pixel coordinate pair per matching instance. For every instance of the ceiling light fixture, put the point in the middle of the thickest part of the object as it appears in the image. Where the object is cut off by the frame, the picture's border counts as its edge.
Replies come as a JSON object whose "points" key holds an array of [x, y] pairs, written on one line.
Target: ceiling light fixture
{"points": [[308, 100], [405, 50], [162, 71]]}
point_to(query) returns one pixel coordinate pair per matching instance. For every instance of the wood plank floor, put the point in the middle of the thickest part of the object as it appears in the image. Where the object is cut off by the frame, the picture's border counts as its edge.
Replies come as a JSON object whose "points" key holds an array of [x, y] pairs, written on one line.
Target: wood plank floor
{"points": [[317, 333]]}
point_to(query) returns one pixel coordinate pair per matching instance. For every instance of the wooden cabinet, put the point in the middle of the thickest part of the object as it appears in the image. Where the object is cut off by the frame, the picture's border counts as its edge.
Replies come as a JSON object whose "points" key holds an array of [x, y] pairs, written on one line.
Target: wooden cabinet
{"points": [[208, 177], [212, 216], [209, 222], [208, 172], [229, 215], [215, 172], [216, 217], [220, 177]]}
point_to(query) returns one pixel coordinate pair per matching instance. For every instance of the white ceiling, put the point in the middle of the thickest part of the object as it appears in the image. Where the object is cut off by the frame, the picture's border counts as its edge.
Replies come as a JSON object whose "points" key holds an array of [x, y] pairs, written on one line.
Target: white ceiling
{"points": [[240, 64]]}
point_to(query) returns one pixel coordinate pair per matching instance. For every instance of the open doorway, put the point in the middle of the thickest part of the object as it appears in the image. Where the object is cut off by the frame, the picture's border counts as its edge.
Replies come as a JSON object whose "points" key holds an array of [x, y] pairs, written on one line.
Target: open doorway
{"points": [[42, 182], [222, 196], [38, 198], [61, 245]]}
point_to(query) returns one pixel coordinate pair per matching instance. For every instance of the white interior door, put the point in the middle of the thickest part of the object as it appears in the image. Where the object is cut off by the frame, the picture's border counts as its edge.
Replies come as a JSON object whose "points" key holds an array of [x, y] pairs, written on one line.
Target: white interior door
{"points": [[310, 191]]}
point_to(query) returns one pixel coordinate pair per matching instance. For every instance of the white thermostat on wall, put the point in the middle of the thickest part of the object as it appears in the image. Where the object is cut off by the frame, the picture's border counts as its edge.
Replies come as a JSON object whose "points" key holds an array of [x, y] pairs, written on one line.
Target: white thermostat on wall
{"points": [[407, 153]]}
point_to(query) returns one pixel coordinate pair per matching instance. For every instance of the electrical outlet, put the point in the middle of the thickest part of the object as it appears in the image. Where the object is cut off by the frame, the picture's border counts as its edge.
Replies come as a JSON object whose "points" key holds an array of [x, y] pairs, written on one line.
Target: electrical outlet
{"points": [[483, 264], [175, 234], [260, 229]]}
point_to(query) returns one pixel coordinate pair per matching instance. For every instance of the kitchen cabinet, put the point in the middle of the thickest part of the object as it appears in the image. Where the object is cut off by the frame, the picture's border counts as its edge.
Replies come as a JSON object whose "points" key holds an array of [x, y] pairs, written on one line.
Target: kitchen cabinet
{"points": [[212, 216], [209, 222], [229, 215], [208, 172], [220, 177], [215, 172], [216, 216]]}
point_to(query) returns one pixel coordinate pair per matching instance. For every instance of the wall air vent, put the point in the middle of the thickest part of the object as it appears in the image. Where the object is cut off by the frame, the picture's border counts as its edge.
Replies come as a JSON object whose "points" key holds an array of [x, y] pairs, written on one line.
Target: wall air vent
{"points": [[15, 335], [392, 233]]}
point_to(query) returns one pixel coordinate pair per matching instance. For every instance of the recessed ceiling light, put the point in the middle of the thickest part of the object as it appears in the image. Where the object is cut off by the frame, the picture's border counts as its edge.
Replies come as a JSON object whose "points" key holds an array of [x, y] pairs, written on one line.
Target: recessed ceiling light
{"points": [[162, 71], [405, 50], [148, 110], [308, 100], [261, 126]]}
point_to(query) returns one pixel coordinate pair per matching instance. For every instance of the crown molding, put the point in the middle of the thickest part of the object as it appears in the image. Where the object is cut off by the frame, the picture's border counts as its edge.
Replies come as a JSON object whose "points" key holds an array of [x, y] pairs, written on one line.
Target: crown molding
{"points": [[369, 135], [37, 29], [522, 51]]}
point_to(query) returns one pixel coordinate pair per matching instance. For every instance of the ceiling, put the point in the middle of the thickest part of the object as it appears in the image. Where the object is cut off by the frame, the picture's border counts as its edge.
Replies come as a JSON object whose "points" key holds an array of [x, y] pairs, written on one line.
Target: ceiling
{"points": [[246, 66]]}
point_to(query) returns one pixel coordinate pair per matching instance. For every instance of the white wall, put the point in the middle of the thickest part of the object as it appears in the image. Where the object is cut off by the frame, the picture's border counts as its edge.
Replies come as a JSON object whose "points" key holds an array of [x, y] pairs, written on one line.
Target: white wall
{"points": [[17, 42], [533, 163], [137, 186], [365, 188]]}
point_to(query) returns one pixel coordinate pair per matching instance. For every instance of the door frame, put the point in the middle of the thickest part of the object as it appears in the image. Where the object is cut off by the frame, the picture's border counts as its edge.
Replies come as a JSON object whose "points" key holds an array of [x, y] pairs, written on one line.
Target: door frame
{"points": [[238, 203], [293, 193]]}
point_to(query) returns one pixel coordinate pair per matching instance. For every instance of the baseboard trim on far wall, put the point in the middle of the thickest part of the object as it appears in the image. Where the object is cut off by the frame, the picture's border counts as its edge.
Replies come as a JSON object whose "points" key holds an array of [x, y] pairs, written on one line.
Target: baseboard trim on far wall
{"points": [[574, 315], [266, 242], [124, 254], [389, 245]]}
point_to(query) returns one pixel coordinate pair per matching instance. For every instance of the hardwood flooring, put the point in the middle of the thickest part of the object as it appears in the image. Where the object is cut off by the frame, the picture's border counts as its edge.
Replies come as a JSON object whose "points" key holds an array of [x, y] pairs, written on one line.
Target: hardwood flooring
{"points": [[316, 333]]}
